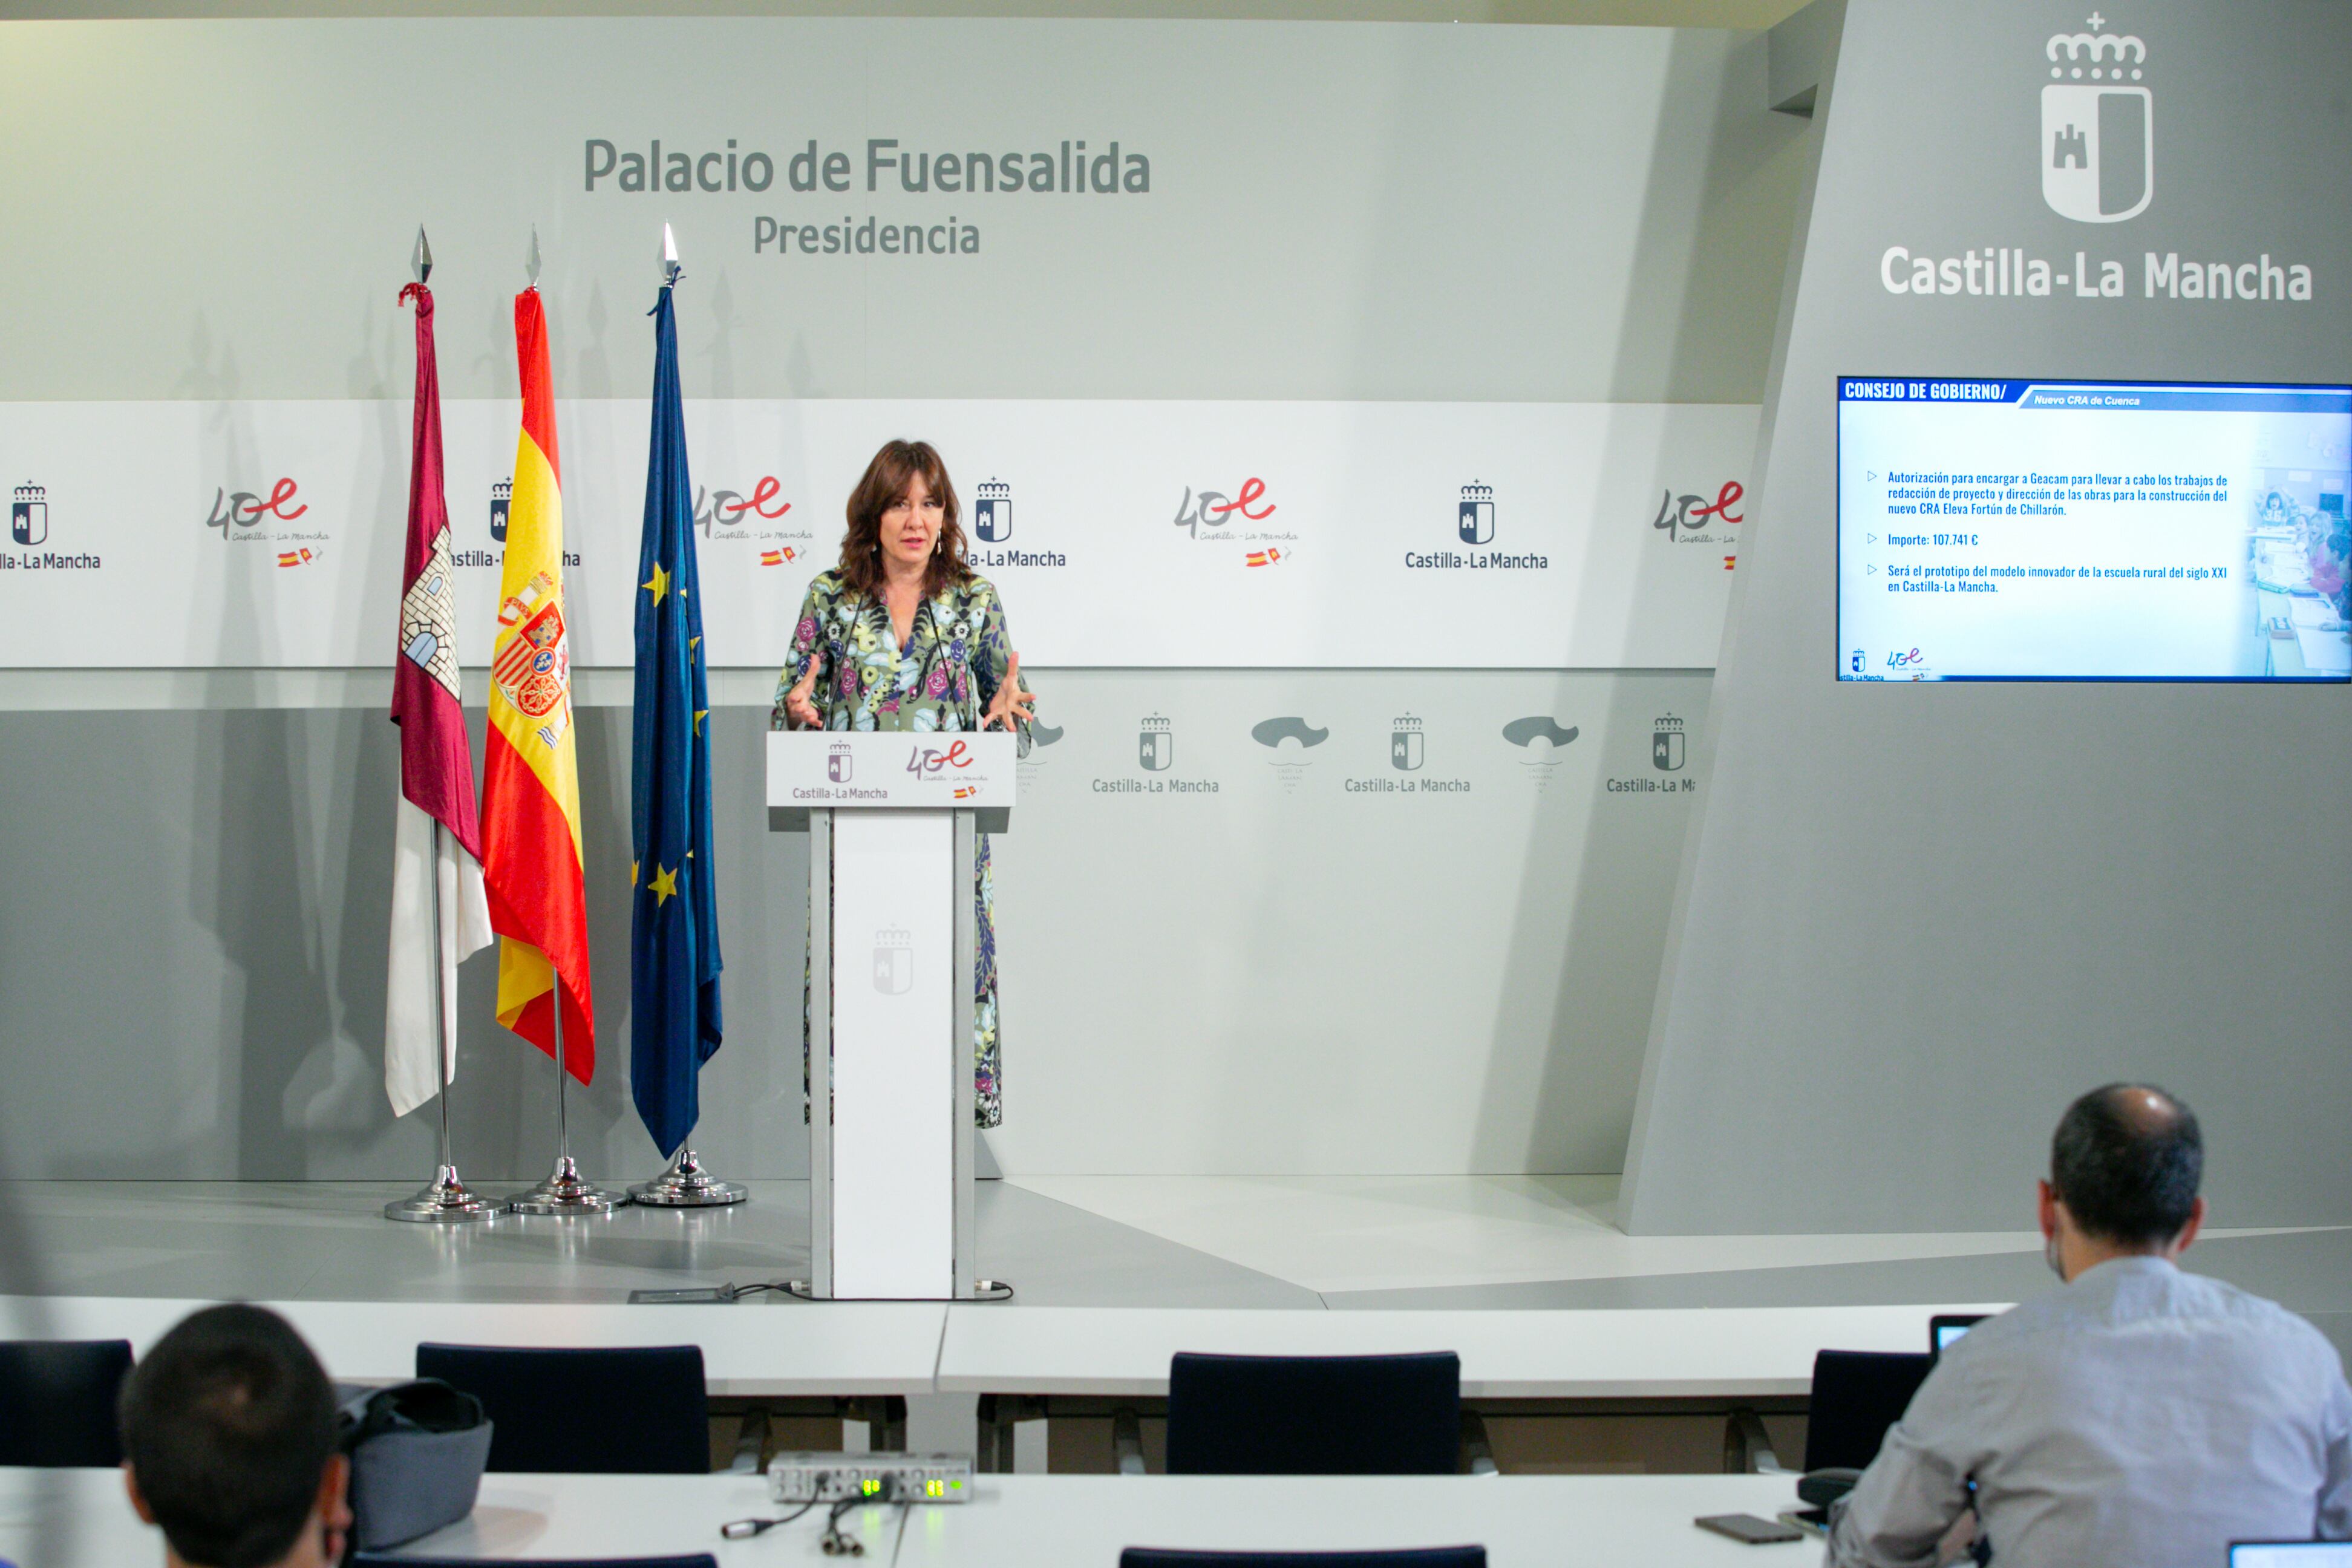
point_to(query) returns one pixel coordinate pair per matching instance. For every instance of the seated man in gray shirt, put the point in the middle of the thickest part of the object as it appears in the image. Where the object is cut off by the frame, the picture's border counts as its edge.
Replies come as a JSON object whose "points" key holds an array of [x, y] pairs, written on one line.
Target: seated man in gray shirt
{"points": [[2139, 1416]]}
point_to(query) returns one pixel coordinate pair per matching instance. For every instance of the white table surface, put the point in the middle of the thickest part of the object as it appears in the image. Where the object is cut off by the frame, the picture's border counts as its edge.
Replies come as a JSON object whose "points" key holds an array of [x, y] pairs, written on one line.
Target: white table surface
{"points": [[879, 1348], [1737, 1352], [1622, 1521], [749, 1348], [80, 1518]]}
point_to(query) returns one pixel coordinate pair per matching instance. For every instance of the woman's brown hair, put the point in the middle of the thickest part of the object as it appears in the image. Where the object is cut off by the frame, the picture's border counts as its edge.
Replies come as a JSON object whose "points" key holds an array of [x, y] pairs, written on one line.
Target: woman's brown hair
{"points": [[894, 467]]}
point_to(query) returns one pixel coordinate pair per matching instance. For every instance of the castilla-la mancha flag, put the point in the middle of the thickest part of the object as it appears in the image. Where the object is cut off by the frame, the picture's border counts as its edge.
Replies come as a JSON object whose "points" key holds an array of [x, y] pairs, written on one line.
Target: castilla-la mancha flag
{"points": [[530, 779], [438, 913]]}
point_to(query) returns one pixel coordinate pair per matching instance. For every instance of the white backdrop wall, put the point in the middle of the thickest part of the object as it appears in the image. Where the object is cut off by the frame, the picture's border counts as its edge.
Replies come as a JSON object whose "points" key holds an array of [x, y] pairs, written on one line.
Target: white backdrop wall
{"points": [[1957, 907], [1283, 972]]}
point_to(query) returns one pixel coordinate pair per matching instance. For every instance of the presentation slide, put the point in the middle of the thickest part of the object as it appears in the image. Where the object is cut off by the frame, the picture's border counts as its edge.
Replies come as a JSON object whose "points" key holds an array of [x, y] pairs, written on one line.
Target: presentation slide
{"points": [[2092, 530]]}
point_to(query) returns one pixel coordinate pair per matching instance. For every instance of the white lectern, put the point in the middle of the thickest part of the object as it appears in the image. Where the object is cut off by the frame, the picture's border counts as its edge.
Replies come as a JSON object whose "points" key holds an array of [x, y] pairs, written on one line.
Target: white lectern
{"points": [[892, 820]]}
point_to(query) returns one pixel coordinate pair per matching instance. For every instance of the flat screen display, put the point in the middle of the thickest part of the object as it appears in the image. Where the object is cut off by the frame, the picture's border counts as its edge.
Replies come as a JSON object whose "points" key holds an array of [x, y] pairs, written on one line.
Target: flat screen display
{"points": [[1946, 1328], [2092, 530], [2291, 1554]]}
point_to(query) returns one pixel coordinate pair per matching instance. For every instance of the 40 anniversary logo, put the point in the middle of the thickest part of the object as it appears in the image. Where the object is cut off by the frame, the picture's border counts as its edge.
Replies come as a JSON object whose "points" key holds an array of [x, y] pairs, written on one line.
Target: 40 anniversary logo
{"points": [[1207, 517], [1685, 517], [246, 509], [1212, 510], [733, 509]]}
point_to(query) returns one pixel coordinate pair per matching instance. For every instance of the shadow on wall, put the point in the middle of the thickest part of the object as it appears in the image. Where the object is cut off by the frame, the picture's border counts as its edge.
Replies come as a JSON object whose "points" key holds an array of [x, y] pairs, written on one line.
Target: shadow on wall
{"points": [[193, 962], [1715, 233]]}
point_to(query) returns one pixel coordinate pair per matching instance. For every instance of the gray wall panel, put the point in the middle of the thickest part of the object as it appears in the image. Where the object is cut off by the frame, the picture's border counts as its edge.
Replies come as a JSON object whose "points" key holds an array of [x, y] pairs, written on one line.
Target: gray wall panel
{"points": [[1284, 975]]}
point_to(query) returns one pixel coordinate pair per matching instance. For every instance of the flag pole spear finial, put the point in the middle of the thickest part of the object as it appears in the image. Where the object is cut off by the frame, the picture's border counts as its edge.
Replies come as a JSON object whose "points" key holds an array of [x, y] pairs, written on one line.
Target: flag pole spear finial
{"points": [[420, 260], [671, 271], [531, 261]]}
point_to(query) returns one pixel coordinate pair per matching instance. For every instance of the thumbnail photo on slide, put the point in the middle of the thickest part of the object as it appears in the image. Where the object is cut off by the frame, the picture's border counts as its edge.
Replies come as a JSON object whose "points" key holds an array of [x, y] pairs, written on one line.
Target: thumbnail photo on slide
{"points": [[2092, 530]]}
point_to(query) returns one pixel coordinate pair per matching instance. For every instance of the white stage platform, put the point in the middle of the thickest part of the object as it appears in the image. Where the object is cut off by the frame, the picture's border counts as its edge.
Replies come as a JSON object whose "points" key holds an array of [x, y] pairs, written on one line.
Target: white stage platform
{"points": [[1525, 1277]]}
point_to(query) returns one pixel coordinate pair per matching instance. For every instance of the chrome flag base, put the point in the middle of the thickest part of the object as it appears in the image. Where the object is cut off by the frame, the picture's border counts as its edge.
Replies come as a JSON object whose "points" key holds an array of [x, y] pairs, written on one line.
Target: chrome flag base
{"points": [[445, 1200], [687, 1186], [566, 1192]]}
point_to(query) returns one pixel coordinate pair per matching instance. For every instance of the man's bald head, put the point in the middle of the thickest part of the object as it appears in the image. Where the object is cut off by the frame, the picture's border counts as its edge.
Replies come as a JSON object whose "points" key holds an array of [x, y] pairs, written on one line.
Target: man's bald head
{"points": [[2126, 1162]]}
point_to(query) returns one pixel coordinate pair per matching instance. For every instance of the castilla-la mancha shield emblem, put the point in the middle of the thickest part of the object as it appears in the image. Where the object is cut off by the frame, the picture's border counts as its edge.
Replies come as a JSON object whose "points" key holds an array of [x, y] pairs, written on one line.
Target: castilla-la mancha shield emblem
{"points": [[2098, 129]]}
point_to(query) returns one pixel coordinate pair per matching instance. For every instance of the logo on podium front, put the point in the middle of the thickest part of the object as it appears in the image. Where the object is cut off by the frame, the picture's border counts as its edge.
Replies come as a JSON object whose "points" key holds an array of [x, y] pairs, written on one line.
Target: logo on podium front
{"points": [[840, 762], [501, 502], [1475, 518], [992, 514], [1404, 745], [2098, 137], [1667, 745], [894, 961], [1156, 747], [28, 515]]}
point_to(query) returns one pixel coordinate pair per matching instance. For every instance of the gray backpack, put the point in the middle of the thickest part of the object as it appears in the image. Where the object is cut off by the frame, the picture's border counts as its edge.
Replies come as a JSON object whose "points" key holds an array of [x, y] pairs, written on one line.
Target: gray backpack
{"points": [[418, 1451]]}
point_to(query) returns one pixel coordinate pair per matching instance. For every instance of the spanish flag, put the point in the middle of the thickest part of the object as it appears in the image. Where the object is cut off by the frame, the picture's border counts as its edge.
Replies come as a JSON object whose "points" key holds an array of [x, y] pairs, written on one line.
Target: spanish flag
{"points": [[530, 783]]}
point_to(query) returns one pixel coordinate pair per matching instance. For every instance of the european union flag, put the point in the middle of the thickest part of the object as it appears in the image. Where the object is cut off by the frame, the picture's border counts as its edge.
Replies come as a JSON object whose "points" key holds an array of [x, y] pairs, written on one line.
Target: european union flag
{"points": [[674, 921]]}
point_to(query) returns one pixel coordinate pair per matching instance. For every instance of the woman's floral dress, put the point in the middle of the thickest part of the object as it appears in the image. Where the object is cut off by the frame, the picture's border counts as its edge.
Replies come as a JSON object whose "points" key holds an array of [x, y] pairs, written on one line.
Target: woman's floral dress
{"points": [[943, 678]]}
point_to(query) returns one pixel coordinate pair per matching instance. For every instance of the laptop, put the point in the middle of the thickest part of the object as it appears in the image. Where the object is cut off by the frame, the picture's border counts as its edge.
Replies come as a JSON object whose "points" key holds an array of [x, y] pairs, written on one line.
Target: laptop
{"points": [[1946, 1327], [2291, 1554]]}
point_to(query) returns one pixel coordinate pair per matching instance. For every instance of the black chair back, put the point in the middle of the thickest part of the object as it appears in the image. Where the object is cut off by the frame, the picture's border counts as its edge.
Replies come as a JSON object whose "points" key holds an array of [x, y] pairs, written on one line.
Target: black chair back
{"points": [[1415, 1557], [1857, 1395], [58, 1402], [372, 1560], [1315, 1415], [635, 1411]]}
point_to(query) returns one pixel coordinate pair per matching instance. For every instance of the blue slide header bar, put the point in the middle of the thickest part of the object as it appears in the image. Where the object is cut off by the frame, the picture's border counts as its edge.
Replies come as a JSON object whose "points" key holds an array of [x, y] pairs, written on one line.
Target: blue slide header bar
{"points": [[2152, 396]]}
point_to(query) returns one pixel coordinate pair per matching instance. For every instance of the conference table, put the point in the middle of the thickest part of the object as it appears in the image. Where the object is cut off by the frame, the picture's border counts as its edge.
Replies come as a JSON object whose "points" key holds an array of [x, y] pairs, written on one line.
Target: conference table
{"points": [[748, 1350], [754, 1349], [1078, 1363], [80, 1519], [1089, 1365]]}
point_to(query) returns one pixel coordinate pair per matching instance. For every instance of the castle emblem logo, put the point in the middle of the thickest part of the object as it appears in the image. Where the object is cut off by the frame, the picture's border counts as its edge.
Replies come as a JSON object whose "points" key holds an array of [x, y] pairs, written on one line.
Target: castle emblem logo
{"points": [[840, 762], [1155, 748], [1667, 744], [1474, 516], [1405, 745], [2098, 128], [502, 500], [992, 513], [428, 617], [28, 515]]}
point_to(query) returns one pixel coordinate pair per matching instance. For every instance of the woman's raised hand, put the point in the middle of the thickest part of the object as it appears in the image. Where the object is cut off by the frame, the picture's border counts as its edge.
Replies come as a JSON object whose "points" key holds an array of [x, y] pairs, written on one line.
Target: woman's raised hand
{"points": [[1012, 702], [799, 705]]}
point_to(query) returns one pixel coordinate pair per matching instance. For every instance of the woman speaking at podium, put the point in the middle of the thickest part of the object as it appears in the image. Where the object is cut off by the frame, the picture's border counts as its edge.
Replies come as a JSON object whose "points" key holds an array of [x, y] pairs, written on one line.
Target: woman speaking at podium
{"points": [[903, 635]]}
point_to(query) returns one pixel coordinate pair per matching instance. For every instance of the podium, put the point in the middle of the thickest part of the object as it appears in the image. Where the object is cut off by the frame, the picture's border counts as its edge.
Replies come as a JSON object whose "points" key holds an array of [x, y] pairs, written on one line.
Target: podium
{"points": [[893, 820]]}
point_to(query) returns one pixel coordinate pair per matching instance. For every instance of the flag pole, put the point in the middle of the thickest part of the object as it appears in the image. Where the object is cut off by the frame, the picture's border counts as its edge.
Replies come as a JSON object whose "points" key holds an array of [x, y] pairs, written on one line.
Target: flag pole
{"points": [[445, 1199], [565, 1192], [685, 1183]]}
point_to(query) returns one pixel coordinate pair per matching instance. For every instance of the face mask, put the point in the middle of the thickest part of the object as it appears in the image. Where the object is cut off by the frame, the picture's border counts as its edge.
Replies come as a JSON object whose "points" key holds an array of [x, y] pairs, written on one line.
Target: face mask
{"points": [[2050, 1255]]}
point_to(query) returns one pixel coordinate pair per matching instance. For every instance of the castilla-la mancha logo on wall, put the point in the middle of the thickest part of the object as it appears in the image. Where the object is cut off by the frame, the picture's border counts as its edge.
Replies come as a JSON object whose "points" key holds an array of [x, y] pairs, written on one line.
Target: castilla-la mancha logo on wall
{"points": [[2098, 126]]}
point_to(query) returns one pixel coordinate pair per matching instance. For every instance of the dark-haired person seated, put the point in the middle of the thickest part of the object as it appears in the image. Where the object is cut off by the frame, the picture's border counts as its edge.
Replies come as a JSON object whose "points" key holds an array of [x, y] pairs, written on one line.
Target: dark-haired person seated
{"points": [[2140, 1417], [229, 1444]]}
